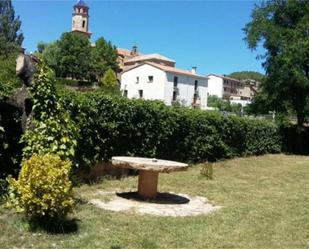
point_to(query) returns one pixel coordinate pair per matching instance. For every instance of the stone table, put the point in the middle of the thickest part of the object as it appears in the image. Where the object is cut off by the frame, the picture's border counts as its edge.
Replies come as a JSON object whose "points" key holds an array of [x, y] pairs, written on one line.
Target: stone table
{"points": [[149, 169]]}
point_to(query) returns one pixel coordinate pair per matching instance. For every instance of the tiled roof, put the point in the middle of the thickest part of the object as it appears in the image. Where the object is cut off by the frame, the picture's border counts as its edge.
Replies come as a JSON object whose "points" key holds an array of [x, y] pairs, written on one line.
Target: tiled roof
{"points": [[148, 57], [166, 69], [126, 52], [223, 77]]}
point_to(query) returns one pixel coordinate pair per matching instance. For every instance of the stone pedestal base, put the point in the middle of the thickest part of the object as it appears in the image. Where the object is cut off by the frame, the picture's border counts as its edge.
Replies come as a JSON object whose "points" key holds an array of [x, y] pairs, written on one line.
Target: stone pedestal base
{"points": [[147, 184]]}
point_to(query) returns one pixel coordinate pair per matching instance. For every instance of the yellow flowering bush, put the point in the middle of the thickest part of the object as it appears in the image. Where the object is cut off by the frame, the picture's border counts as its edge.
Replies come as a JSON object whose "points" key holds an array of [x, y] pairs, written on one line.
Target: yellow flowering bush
{"points": [[43, 188]]}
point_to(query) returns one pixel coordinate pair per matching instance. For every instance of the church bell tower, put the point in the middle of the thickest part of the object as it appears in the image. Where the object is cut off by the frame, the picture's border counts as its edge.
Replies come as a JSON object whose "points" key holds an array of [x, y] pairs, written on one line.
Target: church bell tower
{"points": [[80, 20]]}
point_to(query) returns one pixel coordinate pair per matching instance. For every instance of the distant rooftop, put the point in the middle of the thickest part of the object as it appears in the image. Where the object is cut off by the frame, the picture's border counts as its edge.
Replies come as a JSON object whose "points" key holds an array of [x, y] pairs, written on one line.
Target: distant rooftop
{"points": [[167, 69], [223, 77], [126, 52], [149, 57]]}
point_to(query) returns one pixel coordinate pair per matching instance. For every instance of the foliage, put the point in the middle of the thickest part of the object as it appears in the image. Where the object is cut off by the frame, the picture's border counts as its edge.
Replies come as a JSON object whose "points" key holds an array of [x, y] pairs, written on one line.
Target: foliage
{"points": [[51, 54], [10, 128], [9, 82], [41, 47], [74, 56], [56, 134], [223, 105], [244, 75], [104, 56], [10, 36], [54, 130], [44, 94], [117, 126], [43, 188], [109, 82], [109, 79], [282, 28]]}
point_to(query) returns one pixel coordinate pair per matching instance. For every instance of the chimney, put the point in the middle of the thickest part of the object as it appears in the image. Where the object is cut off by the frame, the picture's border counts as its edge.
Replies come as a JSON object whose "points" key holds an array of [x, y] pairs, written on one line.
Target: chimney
{"points": [[134, 51], [193, 70]]}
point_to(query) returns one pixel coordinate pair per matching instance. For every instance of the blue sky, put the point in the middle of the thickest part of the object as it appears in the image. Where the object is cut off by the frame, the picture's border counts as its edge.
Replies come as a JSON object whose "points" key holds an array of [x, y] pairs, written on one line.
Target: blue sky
{"points": [[206, 34]]}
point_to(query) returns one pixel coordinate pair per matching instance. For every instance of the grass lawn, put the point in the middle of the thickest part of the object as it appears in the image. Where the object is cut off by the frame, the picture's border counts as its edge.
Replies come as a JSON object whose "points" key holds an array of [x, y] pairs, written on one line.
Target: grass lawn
{"points": [[265, 205]]}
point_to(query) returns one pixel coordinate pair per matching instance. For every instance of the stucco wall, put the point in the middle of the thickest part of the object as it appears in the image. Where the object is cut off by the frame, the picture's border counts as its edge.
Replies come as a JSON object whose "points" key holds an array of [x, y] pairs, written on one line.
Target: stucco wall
{"points": [[215, 86], [151, 91], [186, 89]]}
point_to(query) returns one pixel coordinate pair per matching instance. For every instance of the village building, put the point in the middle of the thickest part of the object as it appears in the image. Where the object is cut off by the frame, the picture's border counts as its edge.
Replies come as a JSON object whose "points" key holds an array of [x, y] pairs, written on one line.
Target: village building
{"points": [[157, 81], [237, 91], [125, 54]]}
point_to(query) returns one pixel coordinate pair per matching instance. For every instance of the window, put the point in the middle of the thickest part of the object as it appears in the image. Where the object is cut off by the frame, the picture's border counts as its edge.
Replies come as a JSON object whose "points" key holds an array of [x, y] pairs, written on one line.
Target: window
{"points": [[84, 24], [150, 79], [175, 81], [174, 95], [125, 93], [137, 80], [140, 94], [195, 85]]}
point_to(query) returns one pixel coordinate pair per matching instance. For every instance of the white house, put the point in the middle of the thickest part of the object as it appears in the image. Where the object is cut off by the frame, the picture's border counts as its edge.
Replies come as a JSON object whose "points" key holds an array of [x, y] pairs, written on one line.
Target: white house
{"points": [[215, 85], [237, 91], [154, 81]]}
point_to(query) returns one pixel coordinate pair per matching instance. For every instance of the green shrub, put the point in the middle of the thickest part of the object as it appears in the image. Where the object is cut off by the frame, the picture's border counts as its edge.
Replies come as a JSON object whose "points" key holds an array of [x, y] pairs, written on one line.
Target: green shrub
{"points": [[54, 131], [9, 82], [43, 188], [56, 135], [112, 126]]}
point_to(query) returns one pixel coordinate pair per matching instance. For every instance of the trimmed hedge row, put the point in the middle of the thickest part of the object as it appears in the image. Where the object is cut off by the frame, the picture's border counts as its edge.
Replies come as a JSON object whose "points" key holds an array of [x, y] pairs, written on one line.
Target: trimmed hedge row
{"points": [[117, 126]]}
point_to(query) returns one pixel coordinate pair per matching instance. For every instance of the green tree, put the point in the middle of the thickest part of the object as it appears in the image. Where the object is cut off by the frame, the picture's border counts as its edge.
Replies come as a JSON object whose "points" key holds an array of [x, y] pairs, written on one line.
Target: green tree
{"points": [[104, 56], [282, 27], [243, 75], [223, 105], [10, 36], [41, 47], [220, 104], [109, 80], [74, 56], [51, 55]]}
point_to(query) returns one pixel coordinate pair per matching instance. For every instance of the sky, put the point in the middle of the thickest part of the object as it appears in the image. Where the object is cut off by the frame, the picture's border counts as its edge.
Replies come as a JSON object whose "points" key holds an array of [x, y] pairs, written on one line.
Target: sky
{"points": [[205, 34]]}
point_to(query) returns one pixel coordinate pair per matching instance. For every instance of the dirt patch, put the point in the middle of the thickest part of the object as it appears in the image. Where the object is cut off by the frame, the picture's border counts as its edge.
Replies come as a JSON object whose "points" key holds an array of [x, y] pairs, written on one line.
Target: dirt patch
{"points": [[166, 204]]}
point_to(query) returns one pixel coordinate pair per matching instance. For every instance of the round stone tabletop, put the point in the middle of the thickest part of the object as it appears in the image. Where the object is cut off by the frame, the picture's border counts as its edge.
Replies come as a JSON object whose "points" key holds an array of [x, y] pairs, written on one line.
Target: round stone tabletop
{"points": [[148, 164]]}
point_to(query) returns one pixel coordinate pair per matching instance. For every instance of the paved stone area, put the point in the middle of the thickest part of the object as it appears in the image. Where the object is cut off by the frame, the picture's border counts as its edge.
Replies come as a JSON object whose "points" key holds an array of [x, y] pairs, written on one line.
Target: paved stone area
{"points": [[166, 204]]}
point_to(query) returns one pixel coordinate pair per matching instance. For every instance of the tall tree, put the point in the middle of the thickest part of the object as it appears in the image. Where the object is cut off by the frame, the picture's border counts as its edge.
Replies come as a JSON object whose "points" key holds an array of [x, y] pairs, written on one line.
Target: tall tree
{"points": [[282, 26], [10, 35], [51, 54], [104, 56], [74, 56]]}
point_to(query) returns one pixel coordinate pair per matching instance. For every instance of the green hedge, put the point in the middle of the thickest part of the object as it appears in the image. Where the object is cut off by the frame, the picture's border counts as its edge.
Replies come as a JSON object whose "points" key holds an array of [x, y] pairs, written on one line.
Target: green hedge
{"points": [[117, 126]]}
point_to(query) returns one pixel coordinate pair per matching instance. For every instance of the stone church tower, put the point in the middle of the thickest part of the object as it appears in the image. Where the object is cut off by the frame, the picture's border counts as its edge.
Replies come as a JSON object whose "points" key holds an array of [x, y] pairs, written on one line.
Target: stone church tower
{"points": [[80, 20]]}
